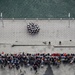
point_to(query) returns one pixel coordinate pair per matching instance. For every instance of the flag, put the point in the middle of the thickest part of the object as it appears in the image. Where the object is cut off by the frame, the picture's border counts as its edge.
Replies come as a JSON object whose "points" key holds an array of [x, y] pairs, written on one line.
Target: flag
{"points": [[1, 14], [68, 14]]}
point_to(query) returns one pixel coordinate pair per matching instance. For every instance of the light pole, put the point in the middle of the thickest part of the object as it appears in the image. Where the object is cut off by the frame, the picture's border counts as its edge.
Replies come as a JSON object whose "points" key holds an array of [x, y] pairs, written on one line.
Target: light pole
{"points": [[69, 20]]}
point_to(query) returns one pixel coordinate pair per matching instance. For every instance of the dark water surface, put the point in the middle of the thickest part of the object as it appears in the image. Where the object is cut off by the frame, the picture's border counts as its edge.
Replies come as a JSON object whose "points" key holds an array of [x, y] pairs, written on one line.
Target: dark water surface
{"points": [[37, 8]]}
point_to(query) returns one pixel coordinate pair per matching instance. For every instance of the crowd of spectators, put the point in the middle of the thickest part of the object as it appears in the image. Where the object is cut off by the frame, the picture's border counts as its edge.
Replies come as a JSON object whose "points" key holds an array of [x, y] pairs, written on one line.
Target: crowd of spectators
{"points": [[35, 60]]}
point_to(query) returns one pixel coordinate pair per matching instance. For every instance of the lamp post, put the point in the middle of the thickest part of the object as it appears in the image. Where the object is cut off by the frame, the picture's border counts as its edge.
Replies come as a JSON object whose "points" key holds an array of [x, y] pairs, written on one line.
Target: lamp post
{"points": [[69, 20]]}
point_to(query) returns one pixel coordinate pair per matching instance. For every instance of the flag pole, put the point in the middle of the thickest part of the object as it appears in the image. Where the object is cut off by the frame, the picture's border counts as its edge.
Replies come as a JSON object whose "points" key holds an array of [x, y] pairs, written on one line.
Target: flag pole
{"points": [[69, 20], [2, 19]]}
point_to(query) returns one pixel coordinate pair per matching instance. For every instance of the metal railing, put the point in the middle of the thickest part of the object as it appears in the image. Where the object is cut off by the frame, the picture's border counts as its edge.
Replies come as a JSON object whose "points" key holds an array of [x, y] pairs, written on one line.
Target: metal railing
{"points": [[37, 18]]}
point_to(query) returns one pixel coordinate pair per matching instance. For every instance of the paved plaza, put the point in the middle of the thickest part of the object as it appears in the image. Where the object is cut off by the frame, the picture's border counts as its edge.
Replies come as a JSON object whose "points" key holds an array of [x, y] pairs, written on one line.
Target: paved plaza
{"points": [[14, 32]]}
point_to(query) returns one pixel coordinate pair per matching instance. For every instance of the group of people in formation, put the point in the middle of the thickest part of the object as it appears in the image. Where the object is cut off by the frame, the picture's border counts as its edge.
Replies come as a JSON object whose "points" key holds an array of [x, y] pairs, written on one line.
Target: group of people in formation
{"points": [[32, 28]]}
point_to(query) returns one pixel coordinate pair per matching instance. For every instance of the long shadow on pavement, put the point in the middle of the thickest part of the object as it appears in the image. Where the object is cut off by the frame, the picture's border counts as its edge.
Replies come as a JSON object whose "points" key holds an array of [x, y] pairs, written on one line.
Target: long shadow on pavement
{"points": [[49, 71]]}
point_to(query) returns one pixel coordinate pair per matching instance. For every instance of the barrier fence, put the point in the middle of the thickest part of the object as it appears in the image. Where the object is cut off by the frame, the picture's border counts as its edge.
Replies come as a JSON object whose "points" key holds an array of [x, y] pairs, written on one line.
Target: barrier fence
{"points": [[37, 18]]}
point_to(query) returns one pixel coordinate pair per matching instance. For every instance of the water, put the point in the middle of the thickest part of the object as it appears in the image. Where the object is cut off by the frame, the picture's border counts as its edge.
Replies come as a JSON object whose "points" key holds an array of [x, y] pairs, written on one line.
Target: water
{"points": [[37, 8]]}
